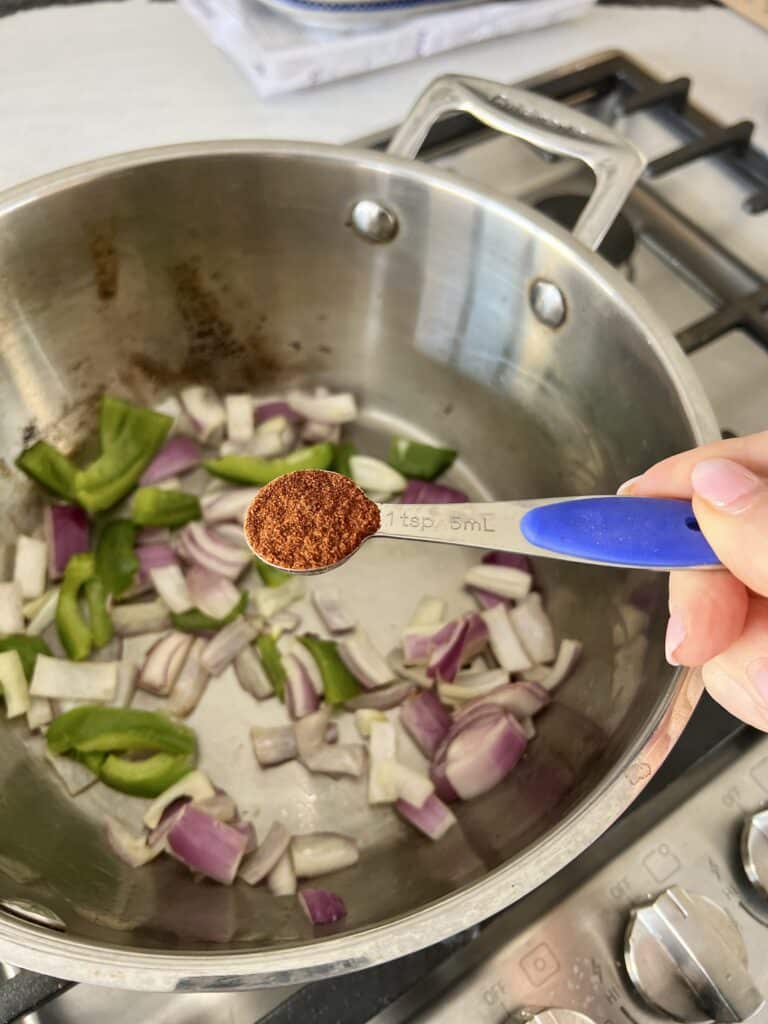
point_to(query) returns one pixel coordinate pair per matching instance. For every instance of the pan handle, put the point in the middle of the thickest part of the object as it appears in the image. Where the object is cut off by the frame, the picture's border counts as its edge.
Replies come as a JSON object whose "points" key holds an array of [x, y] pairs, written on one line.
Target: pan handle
{"points": [[615, 162]]}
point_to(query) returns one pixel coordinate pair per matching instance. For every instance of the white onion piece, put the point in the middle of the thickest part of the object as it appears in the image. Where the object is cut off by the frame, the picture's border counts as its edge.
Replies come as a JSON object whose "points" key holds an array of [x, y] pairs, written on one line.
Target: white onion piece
{"points": [[228, 505], [203, 546], [533, 626], [40, 713], [190, 683], [336, 618], [382, 749], [45, 613], [536, 673], [55, 677], [251, 675], [227, 644], [194, 786], [281, 881], [211, 593], [483, 753], [341, 759], [433, 818], [413, 673], [13, 684], [314, 433], [171, 483], [164, 662], [206, 845], [504, 641], [374, 475], [176, 456], [429, 612], [339, 408], [412, 786], [383, 699], [567, 656], [273, 437], [11, 617], [283, 622], [273, 746], [144, 617], [364, 661], [240, 420], [310, 731], [75, 776], [364, 719], [526, 724], [418, 644], [523, 699], [472, 684], [426, 721], [30, 566], [67, 533], [290, 645], [170, 584], [220, 806], [268, 601], [322, 852], [301, 697], [204, 409], [135, 649], [127, 672], [131, 849], [500, 579], [257, 865]]}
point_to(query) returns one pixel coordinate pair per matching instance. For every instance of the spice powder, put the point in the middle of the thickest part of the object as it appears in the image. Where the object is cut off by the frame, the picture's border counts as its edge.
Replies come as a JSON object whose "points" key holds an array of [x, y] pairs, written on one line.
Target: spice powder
{"points": [[310, 519]]}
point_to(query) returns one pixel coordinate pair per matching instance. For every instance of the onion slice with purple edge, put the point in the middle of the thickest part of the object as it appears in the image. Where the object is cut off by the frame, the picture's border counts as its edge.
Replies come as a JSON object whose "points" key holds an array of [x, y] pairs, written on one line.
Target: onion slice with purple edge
{"points": [[522, 698], [206, 845], [310, 731], [211, 593], [533, 626], [433, 818], [426, 720], [273, 745], [413, 673], [466, 638], [412, 786], [486, 599], [227, 505], [289, 645], [220, 806], [499, 579], [177, 455], [322, 906], [483, 753], [164, 662], [319, 853], [329, 607], [227, 644], [505, 643], [364, 662], [190, 683], [67, 533], [205, 410], [251, 674], [143, 617], [154, 556], [423, 492], [204, 546], [169, 582], [257, 865], [509, 559], [269, 410], [340, 759], [301, 697], [281, 881], [194, 786], [131, 849], [382, 699], [468, 685]]}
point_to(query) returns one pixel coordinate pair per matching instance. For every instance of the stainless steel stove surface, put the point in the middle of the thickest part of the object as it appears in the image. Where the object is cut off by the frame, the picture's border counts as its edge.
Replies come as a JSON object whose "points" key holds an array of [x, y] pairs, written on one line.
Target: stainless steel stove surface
{"points": [[666, 917]]}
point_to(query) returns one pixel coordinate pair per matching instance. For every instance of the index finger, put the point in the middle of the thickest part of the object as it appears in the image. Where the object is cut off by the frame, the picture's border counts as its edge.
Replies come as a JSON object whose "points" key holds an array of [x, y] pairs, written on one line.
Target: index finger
{"points": [[671, 478]]}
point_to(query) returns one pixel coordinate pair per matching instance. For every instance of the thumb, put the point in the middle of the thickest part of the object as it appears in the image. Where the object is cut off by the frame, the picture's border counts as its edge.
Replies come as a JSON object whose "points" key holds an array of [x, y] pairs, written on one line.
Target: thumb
{"points": [[731, 506]]}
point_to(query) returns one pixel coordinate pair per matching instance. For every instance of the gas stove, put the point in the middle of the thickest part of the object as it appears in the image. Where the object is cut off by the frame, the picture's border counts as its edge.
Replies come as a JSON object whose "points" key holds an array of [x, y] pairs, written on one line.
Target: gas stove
{"points": [[665, 917]]}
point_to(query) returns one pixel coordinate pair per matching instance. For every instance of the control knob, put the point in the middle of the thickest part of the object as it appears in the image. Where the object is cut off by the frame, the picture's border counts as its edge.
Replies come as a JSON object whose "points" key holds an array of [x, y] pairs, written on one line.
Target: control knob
{"points": [[754, 850]]}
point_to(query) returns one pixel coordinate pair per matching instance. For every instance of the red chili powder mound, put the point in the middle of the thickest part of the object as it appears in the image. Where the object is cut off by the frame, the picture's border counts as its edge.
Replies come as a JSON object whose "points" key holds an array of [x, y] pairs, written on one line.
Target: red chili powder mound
{"points": [[309, 519]]}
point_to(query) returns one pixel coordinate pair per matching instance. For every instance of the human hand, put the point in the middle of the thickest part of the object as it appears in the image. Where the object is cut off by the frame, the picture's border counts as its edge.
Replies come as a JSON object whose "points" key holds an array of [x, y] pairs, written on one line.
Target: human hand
{"points": [[719, 619]]}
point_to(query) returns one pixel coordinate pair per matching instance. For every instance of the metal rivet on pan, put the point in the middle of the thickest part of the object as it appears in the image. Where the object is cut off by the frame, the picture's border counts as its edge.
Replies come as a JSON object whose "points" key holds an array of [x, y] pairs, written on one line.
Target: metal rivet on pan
{"points": [[373, 221], [548, 302], [34, 912]]}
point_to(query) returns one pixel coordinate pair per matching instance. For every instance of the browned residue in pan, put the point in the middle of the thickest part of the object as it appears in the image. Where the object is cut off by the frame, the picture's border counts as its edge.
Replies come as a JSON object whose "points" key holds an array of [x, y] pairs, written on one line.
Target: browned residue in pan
{"points": [[106, 265]]}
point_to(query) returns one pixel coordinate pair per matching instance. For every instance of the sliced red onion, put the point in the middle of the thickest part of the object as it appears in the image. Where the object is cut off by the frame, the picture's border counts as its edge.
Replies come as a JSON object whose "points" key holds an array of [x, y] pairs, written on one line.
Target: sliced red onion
{"points": [[40, 713], [447, 657], [418, 645], [567, 656], [190, 683], [283, 622], [310, 731], [164, 662], [423, 492], [486, 599], [429, 613], [433, 818], [322, 852], [269, 410], [271, 438], [341, 759], [382, 750], [414, 674], [154, 556], [376, 476], [30, 566], [340, 408], [364, 719], [257, 865], [132, 850], [231, 533], [281, 880], [11, 614], [469, 685], [227, 644], [412, 786], [153, 535], [336, 618], [211, 593], [270, 601], [169, 582], [227, 506], [383, 699], [220, 806], [71, 680], [246, 829], [204, 409], [273, 746], [203, 546], [536, 673], [42, 617], [483, 753], [177, 455], [533, 626], [251, 675], [240, 419], [314, 433], [194, 786], [364, 661], [523, 699], [426, 720], [499, 579], [510, 559], [145, 617], [206, 845], [309, 667], [67, 533], [322, 906], [300, 695], [504, 641]]}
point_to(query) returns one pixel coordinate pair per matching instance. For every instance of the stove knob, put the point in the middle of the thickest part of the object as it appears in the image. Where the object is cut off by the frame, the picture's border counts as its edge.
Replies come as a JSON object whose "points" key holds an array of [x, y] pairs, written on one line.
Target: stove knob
{"points": [[554, 1015], [754, 850], [687, 958]]}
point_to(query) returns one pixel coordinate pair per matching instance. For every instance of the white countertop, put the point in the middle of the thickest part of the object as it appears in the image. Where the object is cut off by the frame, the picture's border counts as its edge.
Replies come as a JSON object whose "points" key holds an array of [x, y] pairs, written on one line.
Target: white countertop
{"points": [[87, 80]]}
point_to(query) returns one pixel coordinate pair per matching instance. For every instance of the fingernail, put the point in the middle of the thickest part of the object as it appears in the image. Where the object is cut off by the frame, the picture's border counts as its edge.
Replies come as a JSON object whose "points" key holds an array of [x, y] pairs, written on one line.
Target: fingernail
{"points": [[626, 487], [725, 484], [757, 672], [675, 636]]}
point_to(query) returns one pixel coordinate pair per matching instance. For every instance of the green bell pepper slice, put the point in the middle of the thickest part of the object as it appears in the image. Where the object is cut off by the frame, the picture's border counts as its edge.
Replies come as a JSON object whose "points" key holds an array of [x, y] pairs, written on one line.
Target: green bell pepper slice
{"points": [[27, 648], [250, 469], [149, 777], [270, 576], [94, 728], [92, 762], [423, 461], [112, 416], [49, 468], [74, 632], [99, 618], [116, 561], [195, 621], [154, 506], [339, 685], [266, 645], [342, 453]]}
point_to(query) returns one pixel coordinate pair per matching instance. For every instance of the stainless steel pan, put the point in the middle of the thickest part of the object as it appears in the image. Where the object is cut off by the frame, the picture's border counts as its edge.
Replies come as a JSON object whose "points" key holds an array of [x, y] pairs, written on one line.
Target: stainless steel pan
{"points": [[453, 313]]}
